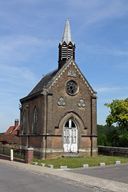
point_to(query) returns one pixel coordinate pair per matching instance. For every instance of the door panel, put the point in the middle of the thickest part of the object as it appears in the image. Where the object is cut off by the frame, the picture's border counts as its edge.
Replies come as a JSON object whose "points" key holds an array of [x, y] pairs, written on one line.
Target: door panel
{"points": [[70, 137]]}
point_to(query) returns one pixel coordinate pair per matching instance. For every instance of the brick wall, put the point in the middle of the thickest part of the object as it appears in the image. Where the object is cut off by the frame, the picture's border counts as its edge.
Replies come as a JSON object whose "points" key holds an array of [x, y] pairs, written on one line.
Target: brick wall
{"points": [[52, 116]]}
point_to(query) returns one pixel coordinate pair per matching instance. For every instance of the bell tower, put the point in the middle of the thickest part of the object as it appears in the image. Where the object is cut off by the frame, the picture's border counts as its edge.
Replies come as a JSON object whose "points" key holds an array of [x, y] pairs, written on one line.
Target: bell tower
{"points": [[66, 46]]}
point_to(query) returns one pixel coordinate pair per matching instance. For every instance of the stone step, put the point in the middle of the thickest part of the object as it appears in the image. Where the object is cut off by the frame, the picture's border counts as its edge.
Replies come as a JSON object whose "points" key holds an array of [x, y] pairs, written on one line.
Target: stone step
{"points": [[71, 155]]}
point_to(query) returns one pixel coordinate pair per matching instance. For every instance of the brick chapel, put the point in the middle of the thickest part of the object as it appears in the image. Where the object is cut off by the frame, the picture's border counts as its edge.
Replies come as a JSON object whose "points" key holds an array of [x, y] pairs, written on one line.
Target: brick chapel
{"points": [[58, 117]]}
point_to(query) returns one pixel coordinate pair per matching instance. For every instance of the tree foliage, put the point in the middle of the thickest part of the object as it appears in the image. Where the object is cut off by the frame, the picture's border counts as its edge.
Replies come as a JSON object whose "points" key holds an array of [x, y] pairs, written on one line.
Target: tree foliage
{"points": [[107, 136], [118, 113], [112, 136], [115, 133]]}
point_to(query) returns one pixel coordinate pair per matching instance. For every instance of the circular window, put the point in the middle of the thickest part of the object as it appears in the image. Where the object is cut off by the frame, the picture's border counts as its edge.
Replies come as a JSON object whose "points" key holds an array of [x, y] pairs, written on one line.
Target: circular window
{"points": [[71, 87]]}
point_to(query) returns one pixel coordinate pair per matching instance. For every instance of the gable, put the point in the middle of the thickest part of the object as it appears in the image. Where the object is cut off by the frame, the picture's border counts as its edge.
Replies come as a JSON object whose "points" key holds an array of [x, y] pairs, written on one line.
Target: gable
{"points": [[72, 70], [51, 79]]}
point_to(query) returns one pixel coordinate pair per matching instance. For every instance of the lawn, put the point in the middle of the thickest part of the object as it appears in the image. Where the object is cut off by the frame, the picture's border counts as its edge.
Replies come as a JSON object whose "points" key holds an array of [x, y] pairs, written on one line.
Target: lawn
{"points": [[75, 162]]}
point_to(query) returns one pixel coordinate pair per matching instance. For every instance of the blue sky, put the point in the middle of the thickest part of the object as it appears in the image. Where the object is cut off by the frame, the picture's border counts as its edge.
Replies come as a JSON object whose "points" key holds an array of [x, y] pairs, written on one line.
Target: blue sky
{"points": [[30, 31]]}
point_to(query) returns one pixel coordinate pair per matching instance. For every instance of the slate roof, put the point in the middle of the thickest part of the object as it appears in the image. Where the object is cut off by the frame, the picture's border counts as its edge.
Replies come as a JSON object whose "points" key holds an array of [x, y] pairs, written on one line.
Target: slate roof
{"points": [[44, 82], [47, 80]]}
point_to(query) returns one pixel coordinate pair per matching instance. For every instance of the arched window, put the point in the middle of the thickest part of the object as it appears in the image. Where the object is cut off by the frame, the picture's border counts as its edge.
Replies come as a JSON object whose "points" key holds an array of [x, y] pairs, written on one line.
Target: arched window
{"points": [[35, 119], [24, 122], [70, 124]]}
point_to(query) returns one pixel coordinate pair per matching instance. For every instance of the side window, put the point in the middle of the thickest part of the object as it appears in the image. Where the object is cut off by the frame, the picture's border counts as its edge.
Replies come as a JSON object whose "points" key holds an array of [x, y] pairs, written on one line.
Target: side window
{"points": [[34, 122], [24, 122]]}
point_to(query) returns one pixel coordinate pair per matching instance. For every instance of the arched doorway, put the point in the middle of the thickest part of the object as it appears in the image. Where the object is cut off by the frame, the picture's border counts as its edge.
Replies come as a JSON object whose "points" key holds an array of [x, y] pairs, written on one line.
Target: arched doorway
{"points": [[70, 136]]}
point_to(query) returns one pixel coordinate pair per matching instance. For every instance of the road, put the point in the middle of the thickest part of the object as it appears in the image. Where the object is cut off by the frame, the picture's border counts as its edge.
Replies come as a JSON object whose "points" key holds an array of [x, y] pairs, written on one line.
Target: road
{"points": [[115, 173], [13, 179]]}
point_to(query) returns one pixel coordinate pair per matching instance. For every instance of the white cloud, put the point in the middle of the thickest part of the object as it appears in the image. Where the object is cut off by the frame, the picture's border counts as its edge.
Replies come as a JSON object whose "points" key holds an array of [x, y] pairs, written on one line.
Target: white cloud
{"points": [[10, 73], [14, 82], [110, 89], [108, 9], [91, 13], [16, 49], [105, 50], [113, 51]]}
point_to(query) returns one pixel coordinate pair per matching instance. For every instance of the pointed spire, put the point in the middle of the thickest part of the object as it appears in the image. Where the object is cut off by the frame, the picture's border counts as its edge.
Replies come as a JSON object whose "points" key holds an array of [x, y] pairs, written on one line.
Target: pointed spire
{"points": [[67, 32], [66, 46]]}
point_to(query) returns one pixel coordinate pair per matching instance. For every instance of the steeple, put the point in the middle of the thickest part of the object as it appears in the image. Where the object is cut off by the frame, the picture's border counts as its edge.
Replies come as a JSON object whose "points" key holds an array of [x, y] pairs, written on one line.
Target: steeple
{"points": [[67, 33], [66, 46]]}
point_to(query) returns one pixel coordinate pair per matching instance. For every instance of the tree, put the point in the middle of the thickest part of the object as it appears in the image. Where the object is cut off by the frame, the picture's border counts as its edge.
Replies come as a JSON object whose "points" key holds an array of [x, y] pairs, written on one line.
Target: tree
{"points": [[118, 113], [102, 136], [108, 136]]}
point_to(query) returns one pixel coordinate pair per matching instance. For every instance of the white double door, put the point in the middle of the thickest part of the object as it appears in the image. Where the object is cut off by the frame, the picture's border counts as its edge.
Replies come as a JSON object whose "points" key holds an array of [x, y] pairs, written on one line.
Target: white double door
{"points": [[70, 137]]}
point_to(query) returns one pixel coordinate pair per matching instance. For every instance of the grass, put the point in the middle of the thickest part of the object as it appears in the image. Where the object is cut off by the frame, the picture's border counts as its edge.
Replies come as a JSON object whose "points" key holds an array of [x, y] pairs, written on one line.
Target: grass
{"points": [[75, 162]]}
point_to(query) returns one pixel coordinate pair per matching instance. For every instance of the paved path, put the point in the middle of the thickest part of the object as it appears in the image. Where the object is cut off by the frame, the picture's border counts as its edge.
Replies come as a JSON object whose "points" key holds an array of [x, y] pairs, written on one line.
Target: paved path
{"points": [[98, 184], [115, 173], [13, 180]]}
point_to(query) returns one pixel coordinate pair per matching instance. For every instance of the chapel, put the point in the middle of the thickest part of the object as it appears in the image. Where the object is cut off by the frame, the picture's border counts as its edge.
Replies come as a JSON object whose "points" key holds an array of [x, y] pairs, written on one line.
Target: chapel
{"points": [[58, 117]]}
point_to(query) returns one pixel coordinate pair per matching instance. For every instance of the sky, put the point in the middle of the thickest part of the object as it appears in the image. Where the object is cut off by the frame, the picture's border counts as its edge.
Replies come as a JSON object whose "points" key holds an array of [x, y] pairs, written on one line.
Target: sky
{"points": [[30, 31]]}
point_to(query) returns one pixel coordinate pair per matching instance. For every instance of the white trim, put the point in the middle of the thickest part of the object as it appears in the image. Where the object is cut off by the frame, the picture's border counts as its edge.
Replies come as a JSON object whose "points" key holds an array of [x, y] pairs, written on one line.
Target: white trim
{"points": [[85, 150], [88, 150], [50, 150], [64, 68]]}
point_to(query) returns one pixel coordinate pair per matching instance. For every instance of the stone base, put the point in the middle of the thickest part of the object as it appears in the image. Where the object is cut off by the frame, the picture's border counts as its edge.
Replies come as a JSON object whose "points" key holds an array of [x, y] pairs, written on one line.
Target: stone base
{"points": [[49, 153], [59, 153]]}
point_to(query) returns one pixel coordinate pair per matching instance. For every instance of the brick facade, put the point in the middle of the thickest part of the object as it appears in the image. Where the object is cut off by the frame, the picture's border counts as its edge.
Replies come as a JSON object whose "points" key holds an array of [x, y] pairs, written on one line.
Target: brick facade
{"points": [[49, 106]]}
